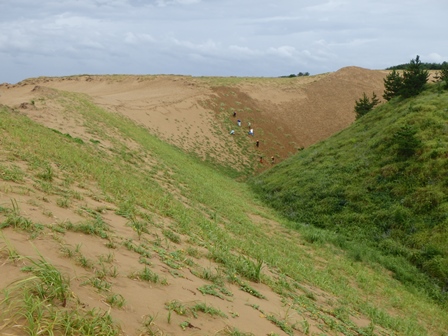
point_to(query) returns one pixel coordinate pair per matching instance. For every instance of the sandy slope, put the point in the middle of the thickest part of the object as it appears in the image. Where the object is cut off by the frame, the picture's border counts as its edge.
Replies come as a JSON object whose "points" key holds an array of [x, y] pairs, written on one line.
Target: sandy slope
{"points": [[194, 114]]}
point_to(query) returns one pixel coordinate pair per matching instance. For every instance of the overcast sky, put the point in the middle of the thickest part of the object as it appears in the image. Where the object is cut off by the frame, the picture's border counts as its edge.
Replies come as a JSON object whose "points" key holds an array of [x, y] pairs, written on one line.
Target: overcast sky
{"points": [[216, 37]]}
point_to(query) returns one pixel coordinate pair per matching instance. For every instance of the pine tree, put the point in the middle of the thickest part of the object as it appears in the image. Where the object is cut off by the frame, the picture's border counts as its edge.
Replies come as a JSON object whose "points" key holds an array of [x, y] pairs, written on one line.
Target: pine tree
{"points": [[443, 74], [414, 78], [375, 101], [407, 143], [365, 105], [393, 84]]}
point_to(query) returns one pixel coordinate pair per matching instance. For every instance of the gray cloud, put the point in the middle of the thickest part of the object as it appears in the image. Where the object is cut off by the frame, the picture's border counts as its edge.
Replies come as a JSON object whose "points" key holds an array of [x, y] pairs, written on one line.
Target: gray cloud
{"points": [[215, 37]]}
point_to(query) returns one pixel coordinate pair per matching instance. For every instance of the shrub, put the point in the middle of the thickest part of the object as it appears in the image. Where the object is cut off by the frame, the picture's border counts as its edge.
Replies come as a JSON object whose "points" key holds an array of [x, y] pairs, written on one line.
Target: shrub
{"points": [[437, 267], [443, 74], [392, 85], [365, 105], [410, 84], [406, 141], [414, 78]]}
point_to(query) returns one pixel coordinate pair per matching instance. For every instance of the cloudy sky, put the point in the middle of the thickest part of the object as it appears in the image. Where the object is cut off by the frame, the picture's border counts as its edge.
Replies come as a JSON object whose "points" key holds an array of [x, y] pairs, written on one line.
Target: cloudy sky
{"points": [[215, 37]]}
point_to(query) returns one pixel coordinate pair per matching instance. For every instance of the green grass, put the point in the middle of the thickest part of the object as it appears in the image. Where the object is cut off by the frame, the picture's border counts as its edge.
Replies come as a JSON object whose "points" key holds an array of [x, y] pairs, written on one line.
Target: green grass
{"points": [[140, 227], [211, 290], [207, 309], [379, 188], [95, 227], [39, 305], [147, 275], [16, 220], [52, 285], [98, 283], [140, 249], [192, 310], [11, 173], [175, 238], [8, 251]]}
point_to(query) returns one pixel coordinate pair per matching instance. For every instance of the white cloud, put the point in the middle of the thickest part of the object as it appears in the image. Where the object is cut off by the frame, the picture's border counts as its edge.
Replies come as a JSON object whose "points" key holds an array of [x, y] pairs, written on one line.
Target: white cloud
{"points": [[137, 38], [187, 2], [328, 6], [278, 19], [208, 47], [164, 3], [244, 51], [435, 57], [283, 51]]}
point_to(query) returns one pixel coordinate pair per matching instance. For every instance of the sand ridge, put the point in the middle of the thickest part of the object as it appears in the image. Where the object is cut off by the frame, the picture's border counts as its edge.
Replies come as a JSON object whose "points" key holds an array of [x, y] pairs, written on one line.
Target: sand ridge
{"points": [[195, 114]]}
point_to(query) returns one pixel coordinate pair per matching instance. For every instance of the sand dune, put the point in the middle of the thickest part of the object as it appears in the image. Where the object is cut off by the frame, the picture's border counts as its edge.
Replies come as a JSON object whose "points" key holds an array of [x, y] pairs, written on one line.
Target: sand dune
{"points": [[195, 114]]}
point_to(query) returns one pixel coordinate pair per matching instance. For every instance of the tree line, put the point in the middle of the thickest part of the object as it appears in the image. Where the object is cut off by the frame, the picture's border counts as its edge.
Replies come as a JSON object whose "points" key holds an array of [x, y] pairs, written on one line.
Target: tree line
{"points": [[407, 83], [300, 74], [427, 66]]}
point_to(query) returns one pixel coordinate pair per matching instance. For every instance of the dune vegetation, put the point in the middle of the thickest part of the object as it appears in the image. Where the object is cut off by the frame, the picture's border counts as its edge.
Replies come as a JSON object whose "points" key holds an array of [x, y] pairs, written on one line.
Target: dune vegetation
{"points": [[121, 233], [380, 184]]}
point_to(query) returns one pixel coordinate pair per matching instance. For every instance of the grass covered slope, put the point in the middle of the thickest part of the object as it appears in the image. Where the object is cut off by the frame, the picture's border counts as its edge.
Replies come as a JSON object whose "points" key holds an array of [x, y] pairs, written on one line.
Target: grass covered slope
{"points": [[383, 180]]}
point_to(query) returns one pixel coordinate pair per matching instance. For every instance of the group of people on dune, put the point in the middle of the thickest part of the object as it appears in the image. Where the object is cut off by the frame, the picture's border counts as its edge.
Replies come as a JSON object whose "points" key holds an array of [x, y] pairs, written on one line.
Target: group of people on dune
{"points": [[250, 132]]}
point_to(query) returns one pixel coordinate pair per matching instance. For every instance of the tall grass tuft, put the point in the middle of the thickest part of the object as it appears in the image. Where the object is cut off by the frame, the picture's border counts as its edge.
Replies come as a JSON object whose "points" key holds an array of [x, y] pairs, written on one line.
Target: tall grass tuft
{"points": [[51, 285]]}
